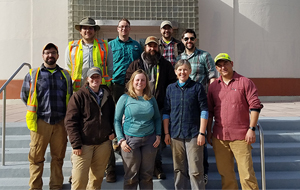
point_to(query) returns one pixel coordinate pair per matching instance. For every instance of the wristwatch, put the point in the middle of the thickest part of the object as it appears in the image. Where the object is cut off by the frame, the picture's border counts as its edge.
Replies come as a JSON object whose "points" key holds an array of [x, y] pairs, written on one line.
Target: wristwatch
{"points": [[252, 128], [203, 134]]}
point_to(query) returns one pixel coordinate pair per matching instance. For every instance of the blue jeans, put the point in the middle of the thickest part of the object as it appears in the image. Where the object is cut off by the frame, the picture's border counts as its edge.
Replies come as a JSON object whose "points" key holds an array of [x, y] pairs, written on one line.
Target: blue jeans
{"points": [[139, 163], [188, 163]]}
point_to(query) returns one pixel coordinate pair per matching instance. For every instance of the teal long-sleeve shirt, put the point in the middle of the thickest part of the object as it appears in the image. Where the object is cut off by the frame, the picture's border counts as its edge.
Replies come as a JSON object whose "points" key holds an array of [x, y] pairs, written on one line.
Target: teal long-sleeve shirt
{"points": [[142, 117], [123, 54]]}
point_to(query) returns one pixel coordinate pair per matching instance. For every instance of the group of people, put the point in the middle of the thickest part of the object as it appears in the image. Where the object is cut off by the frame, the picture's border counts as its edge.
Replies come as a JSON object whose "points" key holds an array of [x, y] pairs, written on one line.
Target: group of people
{"points": [[167, 93]]}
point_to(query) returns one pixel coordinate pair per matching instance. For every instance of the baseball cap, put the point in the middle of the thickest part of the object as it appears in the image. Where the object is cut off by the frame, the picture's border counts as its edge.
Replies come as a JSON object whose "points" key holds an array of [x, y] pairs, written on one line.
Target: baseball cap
{"points": [[94, 70], [166, 22], [151, 39], [50, 45], [222, 56]]}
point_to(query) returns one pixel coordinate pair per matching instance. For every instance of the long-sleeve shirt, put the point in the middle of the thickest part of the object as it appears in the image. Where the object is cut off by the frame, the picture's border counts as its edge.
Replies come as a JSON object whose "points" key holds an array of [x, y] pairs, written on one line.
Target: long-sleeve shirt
{"points": [[142, 117], [123, 54], [230, 105], [203, 66], [51, 88], [184, 105]]}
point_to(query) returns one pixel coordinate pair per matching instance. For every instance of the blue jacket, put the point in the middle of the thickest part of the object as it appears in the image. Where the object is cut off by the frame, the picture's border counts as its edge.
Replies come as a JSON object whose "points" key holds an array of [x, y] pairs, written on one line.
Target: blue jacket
{"points": [[184, 105]]}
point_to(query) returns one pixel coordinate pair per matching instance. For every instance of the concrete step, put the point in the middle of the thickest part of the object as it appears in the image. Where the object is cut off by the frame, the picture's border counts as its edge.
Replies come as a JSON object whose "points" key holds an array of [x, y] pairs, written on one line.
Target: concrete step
{"points": [[274, 180], [271, 149], [286, 123], [274, 163], [22, 141]]}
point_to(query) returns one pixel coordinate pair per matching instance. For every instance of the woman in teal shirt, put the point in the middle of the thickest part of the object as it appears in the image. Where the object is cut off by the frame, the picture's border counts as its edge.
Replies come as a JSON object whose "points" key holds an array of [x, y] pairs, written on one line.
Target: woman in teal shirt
{"points": [[139, 136]]}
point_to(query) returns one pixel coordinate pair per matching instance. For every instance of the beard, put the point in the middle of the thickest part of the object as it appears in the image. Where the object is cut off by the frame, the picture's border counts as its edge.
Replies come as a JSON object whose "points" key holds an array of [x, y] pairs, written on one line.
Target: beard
{"points": [[191, 47], [50, 61], [152, 57]]}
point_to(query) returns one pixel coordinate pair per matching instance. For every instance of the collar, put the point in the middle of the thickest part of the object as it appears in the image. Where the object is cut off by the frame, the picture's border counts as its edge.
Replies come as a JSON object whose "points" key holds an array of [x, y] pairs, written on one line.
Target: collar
{"points": [[129, 40], [185, 84], [235, 77], [196, 52], [45, 68], [171, 41]]}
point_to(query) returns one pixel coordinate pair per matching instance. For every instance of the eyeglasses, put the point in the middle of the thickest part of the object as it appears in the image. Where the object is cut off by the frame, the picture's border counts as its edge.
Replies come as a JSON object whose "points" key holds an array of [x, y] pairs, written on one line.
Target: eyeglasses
{"points": [[126, 27], [52, 53], [187, 38]]}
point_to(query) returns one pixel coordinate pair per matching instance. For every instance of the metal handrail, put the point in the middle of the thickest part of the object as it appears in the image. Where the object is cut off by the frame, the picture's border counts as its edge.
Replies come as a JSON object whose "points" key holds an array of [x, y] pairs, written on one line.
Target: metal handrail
{"points": [[3, 88], [262, 156]]}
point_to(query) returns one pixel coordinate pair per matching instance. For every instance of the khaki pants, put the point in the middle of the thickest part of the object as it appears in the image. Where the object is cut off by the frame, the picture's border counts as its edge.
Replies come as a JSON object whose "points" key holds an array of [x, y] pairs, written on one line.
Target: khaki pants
{"points": [[88, 168], [225, 152], [56, 136]]}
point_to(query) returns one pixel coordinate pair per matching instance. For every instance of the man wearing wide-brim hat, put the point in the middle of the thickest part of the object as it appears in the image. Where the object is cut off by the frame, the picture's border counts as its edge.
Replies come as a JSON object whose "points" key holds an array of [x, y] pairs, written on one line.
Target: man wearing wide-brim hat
{"points": [[88, 52]]}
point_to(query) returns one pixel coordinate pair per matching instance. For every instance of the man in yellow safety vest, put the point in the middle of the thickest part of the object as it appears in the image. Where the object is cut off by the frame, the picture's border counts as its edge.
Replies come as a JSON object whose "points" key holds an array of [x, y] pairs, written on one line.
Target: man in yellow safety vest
{"points": [[88, 52], [46, 91]]}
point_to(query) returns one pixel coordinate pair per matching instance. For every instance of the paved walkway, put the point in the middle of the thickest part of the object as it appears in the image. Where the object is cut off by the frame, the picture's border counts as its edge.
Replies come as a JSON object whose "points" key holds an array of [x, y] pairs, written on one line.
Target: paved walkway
{"points": [[16, 110]]}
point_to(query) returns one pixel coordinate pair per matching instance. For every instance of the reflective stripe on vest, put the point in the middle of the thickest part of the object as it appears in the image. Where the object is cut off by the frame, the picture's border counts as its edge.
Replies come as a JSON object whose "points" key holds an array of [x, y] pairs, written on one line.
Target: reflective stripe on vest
{"points": [[32, 102], [99, 60]]}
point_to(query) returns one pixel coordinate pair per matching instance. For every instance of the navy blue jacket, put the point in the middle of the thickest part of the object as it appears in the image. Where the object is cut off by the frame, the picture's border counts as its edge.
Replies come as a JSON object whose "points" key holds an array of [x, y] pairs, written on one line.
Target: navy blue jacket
{"points": [[184, 105]]}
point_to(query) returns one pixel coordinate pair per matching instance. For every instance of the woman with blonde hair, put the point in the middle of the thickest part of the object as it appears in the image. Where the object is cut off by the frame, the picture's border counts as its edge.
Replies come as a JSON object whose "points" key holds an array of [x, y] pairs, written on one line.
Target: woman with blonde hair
{"points": [[139, 136]]}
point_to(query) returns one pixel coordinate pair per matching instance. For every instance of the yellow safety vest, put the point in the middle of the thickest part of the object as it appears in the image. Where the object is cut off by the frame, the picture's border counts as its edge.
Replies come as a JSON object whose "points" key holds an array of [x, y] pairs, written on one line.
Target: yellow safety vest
{"points": [[32, 102], [99, 60]]}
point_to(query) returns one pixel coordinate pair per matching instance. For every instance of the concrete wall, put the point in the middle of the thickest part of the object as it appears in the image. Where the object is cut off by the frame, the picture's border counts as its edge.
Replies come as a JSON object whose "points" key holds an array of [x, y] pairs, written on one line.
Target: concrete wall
{"points": [[26, 26], [261, 36]]}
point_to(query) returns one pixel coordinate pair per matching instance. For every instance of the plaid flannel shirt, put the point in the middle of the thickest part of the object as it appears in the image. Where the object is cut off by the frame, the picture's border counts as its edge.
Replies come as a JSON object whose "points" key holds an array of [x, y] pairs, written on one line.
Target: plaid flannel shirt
{"points": [[51, 94]]}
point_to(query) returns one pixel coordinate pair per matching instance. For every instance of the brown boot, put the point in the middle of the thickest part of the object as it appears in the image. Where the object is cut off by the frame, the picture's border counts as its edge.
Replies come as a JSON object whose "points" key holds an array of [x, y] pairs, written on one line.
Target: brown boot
{"points": [[111, 177], [158, 171]]}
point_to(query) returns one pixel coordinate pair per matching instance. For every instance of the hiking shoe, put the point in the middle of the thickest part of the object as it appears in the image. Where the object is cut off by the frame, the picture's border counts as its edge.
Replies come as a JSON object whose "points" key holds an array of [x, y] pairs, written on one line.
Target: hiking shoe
{"points": [[205, 179], [111, 177]]}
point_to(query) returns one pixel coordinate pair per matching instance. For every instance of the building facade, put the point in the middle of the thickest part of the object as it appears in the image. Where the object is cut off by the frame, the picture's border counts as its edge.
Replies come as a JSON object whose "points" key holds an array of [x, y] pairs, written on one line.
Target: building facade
{"points": [[262, 36]]}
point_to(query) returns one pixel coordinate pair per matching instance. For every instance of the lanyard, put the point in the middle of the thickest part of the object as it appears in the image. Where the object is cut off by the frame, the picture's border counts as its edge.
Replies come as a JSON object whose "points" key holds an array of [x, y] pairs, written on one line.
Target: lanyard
{"points": [[157, 76]]}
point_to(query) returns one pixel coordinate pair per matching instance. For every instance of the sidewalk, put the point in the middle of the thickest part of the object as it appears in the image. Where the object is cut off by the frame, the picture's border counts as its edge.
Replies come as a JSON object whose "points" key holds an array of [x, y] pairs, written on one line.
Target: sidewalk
{"points": [[16, 110]]}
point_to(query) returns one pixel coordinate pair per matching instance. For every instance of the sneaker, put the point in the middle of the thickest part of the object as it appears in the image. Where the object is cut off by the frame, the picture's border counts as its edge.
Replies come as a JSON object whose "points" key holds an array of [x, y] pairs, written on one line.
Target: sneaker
{"points": [[205, 179], [159, 173], [111, 177]]}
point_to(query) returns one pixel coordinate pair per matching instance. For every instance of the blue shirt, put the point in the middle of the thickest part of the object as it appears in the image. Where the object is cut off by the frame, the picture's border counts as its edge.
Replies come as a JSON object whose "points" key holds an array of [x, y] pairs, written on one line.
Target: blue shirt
{"points": [[202, 64], [184, 105], [142, 117], [51, 90], [123, 54]]}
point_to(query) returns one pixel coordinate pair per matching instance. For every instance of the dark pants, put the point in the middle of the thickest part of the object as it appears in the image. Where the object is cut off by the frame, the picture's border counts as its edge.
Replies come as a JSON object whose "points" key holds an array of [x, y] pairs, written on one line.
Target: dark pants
{"points": [[139, 163]]}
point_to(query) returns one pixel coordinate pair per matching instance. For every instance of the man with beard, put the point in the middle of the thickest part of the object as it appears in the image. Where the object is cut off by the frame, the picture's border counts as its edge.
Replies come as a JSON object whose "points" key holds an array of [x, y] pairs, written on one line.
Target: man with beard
{"points": [[203, 71], [46, 91], [161, 74], [88, 52], [169, 47]]}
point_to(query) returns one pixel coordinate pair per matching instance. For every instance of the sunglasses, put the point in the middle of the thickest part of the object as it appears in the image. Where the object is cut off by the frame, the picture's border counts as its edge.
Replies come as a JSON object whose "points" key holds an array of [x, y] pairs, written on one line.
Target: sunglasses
{"points": [[187, 38]]}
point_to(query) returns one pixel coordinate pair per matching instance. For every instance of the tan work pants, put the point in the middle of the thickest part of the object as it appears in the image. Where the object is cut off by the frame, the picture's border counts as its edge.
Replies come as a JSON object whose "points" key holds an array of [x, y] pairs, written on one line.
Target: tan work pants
{"points": [[225, 152], [56, 136]]}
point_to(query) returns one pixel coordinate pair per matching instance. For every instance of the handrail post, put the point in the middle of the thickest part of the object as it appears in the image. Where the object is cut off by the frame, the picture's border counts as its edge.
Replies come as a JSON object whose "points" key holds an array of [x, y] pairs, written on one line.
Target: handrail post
{"points": [[3, 126], [262, 157], [3, 88]]}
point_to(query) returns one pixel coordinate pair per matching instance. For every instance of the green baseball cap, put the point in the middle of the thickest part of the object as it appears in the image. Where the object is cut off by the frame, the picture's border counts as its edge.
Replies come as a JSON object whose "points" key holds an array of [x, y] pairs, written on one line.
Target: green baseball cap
{"points": [[222, 56]]}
